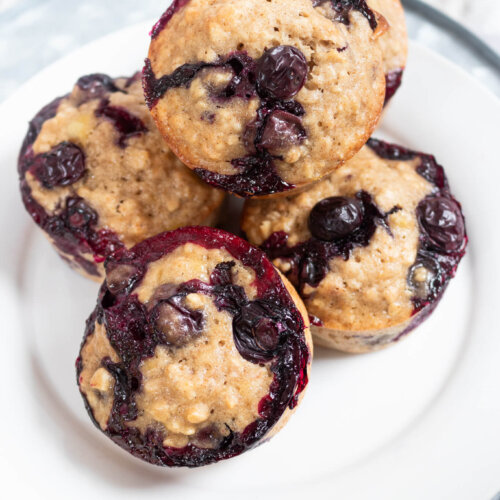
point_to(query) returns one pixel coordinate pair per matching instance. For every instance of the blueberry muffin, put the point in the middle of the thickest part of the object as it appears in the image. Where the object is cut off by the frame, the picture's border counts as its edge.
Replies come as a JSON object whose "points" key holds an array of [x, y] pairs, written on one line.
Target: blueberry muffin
{"points": [[96, 175], [197, 351], [259, 97], [371, 248]]}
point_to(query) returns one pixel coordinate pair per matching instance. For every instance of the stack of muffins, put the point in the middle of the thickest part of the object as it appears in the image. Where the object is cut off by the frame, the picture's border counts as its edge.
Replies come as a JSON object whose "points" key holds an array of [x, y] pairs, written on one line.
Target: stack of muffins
{"points": [[200, 345]]}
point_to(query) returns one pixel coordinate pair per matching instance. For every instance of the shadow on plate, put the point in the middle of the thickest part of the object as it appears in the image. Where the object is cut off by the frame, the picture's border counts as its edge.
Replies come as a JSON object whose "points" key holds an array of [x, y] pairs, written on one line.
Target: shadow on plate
{"points": [[82, 444], [90, 449]]}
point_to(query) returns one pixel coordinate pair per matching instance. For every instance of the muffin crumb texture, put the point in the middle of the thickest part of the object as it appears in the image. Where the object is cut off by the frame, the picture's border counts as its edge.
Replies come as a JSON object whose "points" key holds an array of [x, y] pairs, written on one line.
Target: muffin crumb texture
{"points": [[390, 264], [246, 107], [98, 176]]}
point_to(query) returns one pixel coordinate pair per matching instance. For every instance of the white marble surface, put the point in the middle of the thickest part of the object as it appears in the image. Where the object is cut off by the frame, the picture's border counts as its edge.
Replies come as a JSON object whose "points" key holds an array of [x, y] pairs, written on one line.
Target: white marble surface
{"points": [[34, 33]]}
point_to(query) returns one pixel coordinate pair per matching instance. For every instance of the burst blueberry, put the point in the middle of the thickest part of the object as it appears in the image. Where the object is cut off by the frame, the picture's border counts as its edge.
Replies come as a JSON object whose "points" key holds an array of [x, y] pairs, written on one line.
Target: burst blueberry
{"points": [[176, 322], [120, 277], [424, 277], [256, 333], [125, 122], [281, 131], [61, 166], [79, 215]]}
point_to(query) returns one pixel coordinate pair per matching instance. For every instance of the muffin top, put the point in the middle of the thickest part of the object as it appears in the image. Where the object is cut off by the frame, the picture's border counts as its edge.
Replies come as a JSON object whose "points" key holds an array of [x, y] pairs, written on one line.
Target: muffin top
{"points": [[394, 44], [371, 244], [195, 345], [96, 173], [259, 97]]}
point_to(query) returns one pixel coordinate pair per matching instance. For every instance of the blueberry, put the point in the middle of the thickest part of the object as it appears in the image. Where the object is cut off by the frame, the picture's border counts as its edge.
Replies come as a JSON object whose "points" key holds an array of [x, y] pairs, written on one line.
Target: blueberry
{"points": [[267, 334], [282, 130], [96, 85], [343, 9], [104, 242], [163, 292], [155, 88], [61, 166], [222, 274], [338, 225], [250, 134], [257, 176], [430, 170], [281, 72], [315, 321], [208, 437], [176, 323], [392, 83], [424, 277], [256, 332], [243, 82], [276, 242], [167, 15], [79, 215], [312, 269], [335, 217], [120, 277], [442, 222], [55, 227], [390, 151], [36, 124], [125, 123]]}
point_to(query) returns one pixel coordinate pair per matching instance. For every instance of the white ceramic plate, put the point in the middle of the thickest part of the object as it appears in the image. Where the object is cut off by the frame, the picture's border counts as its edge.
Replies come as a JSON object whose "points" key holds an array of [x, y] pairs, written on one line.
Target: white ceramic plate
{"points": [[419, 420]]}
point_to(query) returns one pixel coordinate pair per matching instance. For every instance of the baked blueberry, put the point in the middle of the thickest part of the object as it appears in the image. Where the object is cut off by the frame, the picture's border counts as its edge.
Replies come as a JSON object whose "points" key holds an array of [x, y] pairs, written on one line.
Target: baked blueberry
{"points": [[290, 97], [281, 72], [96, 174], [371, 248], [61, 166], [441, 222], [335, 217], [341, 11], [197, 351], [96, 85]]}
